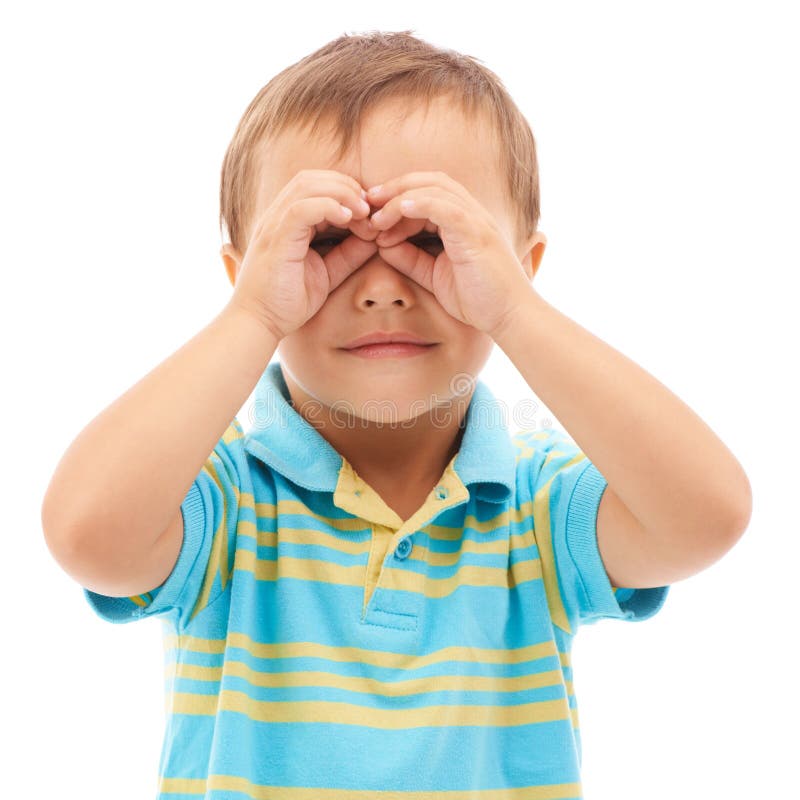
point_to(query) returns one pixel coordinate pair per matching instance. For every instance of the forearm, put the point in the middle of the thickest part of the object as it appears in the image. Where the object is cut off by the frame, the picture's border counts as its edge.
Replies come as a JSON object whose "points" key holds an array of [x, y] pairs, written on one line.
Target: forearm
{"points": [[130, 468], [662, 460]]}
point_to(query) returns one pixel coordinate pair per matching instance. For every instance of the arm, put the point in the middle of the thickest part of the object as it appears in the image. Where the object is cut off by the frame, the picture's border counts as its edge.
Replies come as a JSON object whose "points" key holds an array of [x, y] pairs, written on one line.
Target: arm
{"points": [[121, 482], [677, 499]]}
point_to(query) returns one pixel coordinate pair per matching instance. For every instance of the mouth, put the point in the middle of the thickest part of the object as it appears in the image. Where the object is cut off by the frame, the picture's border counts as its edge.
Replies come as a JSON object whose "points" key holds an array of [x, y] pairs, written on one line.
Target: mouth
{"points": [[388, 337], [391, 350]]}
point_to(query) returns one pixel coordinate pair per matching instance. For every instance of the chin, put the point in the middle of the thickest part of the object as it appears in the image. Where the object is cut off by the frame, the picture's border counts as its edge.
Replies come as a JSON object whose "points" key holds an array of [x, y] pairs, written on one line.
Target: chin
{"points": [[383, 392], [390, 410]]}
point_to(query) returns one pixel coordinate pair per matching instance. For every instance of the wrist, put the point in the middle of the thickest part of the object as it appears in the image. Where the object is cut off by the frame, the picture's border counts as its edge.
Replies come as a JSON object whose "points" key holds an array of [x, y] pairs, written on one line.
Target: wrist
{"points": [[529, 302], [257, 326], [253, 318]]}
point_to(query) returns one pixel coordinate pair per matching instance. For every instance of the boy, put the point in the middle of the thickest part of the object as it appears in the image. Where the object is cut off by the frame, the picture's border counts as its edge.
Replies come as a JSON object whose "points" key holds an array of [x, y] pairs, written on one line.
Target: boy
{"points": [[376, 588]]}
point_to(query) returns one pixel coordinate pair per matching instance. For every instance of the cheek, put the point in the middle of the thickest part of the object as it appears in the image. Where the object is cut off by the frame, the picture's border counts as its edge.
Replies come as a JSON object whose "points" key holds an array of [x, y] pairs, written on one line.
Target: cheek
{"points": [[476, 348], [322, 332], [297, 346]]}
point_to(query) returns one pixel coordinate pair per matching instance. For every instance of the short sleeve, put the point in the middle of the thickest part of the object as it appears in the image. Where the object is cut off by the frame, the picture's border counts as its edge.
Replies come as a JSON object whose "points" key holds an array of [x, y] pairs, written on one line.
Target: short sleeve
{"points": [[210, 513], [566, 492]]}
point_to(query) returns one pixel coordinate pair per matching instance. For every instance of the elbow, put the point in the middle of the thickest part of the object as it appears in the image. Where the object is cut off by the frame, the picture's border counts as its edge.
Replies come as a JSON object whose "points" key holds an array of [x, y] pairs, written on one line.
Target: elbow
{"points": [[51, 525], [723, 520], [59, 529], [55, 534], [741, 509]]}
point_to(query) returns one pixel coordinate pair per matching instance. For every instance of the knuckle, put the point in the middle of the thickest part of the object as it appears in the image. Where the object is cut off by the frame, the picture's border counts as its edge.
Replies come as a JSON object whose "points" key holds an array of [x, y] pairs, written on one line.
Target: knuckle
{"points": [[264, 229], [290, 217], [459, 214], [303, 179]]}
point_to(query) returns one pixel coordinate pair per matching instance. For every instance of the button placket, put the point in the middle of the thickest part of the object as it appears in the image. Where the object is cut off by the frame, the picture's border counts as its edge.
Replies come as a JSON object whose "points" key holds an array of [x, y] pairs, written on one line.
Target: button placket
{"points": [[381, 538]]}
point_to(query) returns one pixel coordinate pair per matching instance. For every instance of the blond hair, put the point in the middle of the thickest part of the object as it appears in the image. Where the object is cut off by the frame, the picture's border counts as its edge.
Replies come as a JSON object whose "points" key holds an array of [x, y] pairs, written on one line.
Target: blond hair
{"points": [[347, 77]]}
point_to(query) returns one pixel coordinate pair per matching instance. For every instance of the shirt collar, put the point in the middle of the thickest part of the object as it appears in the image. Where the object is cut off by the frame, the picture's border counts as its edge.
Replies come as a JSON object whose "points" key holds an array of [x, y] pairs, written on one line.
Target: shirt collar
{"points": [[286, 442]]}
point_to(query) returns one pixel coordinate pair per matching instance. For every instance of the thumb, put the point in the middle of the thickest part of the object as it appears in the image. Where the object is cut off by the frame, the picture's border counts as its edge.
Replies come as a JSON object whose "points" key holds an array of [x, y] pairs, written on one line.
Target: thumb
{"points": [[346, 258]]}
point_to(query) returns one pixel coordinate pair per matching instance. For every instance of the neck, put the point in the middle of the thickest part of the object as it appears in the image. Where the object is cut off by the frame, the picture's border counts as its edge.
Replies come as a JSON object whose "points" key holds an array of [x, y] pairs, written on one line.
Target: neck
{"points": [[418, 448]]}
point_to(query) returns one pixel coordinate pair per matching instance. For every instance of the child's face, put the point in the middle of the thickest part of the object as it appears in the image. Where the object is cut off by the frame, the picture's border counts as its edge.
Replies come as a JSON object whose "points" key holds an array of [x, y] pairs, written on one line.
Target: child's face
{"points": [[394, 140]]}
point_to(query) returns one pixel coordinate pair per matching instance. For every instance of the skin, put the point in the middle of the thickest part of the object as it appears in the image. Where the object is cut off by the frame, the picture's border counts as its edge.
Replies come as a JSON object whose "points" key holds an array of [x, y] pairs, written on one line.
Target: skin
{"points": [[391, 416]]}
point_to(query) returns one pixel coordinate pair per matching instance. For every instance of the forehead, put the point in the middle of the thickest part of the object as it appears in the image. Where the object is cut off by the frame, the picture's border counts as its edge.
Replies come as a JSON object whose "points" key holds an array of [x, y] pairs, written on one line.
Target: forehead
{"points": [[396, 138]]}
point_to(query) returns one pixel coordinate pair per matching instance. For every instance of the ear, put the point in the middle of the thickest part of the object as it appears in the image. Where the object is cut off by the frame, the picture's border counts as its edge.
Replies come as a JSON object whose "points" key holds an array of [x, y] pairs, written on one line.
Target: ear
{"points": [[533, 250], [232, 260]]}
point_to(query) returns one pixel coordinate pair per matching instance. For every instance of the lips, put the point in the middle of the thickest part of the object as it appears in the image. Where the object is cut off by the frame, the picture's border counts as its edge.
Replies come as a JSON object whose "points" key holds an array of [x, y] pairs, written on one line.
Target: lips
{"points": [[385, 337]]}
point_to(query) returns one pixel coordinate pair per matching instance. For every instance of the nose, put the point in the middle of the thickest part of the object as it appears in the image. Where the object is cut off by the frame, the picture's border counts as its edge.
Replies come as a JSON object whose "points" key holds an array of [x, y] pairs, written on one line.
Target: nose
{"points": [[380, 284]]}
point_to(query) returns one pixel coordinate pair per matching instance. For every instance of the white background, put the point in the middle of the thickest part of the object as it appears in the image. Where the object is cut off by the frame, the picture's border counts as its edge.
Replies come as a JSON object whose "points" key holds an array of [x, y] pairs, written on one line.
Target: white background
{"points": [[667, 137]]}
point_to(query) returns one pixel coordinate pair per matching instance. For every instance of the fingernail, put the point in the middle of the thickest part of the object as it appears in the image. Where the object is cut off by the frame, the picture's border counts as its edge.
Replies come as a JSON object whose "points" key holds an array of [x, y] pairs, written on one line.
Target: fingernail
{"points": [[363, 195], [375, 190]]}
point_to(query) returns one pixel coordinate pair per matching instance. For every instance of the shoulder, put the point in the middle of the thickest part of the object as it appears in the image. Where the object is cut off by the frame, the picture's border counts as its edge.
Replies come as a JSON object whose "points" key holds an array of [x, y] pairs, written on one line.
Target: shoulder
{"points": [[229, 452], [543, 447]]}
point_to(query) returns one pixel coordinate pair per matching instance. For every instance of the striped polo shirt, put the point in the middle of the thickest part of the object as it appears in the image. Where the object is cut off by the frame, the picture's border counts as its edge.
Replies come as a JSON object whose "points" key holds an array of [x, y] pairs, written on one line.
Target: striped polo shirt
{"points": [[318, 647]]}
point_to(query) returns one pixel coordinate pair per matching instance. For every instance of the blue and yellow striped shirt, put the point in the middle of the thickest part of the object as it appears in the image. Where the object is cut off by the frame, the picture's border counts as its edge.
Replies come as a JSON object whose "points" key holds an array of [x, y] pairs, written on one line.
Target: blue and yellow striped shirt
{"points": [[318, 647]]}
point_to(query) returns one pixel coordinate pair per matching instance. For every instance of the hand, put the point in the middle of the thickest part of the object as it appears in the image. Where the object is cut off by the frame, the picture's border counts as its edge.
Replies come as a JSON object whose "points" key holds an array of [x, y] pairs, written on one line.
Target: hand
{"points": [[282, 281], [477, 277]]}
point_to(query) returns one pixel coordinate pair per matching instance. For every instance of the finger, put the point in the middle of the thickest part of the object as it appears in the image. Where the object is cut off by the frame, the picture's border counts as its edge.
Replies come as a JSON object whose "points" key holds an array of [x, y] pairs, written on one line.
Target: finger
{"points": [[350, 181], [404, 229], [442, 208], [363, 229], [314, 177], [346, 258], [360, 227], [319, 183], [411, 261], [303, 215], [415, 180]]}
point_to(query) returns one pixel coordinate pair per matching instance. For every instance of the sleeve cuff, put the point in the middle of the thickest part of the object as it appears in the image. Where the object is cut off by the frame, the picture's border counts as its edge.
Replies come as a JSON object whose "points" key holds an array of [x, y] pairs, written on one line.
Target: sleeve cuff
{"points": [[165, 597], [601, 598]]}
